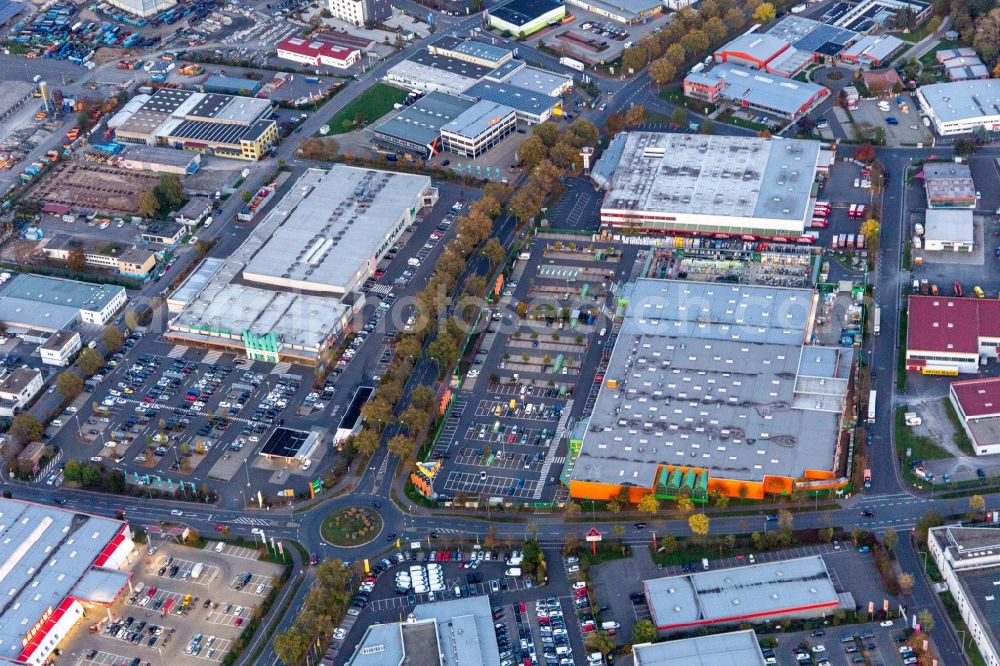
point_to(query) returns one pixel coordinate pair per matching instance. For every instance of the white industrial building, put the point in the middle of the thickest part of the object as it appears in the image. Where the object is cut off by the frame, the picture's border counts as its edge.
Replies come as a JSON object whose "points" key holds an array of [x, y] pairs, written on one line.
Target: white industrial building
{"points": [[58, 565], [49, 304], [969, 561], [60, 348], [949, 229], [18, 388], [977, 404], [289, 290], [962, 107], [732, 648], [664, 182], [478, 129]]}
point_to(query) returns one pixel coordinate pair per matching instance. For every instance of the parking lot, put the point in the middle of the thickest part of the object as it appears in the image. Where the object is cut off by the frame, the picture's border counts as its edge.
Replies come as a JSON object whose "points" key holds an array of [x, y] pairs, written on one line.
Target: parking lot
{"points": [[504, 434], [843, 646], [899, 120], [183, 604]]}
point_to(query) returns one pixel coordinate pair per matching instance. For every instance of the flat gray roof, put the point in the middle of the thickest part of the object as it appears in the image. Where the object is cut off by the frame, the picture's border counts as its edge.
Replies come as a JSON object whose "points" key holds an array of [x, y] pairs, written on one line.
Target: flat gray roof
{"points": [[477, 119], [876, 47], [44, 553], [538, 80], [197, 280], [12, 91], [734, 648], [756, 46], [345, 217], [627, 8], [421, 122], [770, 91], [715, 376], [759, 590], [412, 72], [720, 176], [58, 293], [465, 630], [227, 306], [473, 48], [980, 589], [811, 35], [949, 181], [158, 155], [950, 225], [463, 635], [963, 100], [519, 99]]}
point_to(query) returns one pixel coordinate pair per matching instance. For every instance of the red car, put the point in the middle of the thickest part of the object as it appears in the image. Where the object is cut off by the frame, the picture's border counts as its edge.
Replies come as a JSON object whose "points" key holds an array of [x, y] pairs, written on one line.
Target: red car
{"points": [[957, 289]]}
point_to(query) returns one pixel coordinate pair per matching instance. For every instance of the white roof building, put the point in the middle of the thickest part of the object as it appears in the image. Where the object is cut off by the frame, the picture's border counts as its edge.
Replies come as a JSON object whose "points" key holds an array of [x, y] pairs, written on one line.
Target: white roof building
{"points": [[962, 107]]}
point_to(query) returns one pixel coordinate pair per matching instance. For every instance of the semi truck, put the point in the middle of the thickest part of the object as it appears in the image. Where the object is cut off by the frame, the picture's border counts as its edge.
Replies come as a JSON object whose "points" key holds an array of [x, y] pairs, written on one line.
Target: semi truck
{"points": [[571, 63], [871, 406]]}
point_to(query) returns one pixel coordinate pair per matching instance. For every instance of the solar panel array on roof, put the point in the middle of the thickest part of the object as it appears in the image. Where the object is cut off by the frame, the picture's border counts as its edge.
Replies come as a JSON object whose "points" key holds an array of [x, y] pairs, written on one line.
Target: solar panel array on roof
{"points": [[197, 130]]}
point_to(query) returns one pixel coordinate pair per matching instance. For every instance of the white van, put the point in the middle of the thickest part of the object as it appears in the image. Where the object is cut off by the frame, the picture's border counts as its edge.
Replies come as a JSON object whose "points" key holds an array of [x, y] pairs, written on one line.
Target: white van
{"points": [[704, 563], [513, 571], [219, 546], [413, 261]]}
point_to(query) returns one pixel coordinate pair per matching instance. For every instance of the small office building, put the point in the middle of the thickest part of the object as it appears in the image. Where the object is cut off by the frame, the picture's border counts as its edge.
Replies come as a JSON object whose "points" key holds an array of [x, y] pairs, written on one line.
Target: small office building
{"points": [[949, 185], [164, 232], [60, 348], [416, 129], [478, 129], [17, 389], [949, 230]]}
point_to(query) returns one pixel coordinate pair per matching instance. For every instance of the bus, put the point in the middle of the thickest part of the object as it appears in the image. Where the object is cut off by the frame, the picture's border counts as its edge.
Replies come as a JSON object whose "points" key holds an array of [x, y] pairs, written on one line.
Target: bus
{"points": [[877, 320], [871, 406]]}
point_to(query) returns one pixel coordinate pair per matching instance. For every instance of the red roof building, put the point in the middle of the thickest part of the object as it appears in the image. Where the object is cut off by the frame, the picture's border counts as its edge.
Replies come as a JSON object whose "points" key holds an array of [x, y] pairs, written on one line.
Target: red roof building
{"points": [[317, 53], [947, 336], [977, 403]]}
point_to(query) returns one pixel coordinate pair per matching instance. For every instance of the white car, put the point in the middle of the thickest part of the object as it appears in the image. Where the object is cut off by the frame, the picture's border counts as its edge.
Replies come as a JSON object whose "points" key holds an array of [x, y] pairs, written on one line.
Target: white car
{"points": [[176, 512], [603, 331], [818, 648], [151, 550], [339, 633], [885, 623], [473, 373], [96, 459]]}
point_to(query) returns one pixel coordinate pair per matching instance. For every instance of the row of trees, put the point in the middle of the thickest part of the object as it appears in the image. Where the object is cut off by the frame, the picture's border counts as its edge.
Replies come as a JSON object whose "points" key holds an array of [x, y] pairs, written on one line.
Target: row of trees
{"points": [[691, 34], [324, 607], [378, 413]]}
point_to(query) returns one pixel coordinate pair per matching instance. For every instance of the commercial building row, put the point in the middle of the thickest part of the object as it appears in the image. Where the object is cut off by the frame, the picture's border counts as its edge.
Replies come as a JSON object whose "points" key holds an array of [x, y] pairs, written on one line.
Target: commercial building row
{"points": [[481, 72], [131, 262], [317, 53], [714, 388], [290, 289]]}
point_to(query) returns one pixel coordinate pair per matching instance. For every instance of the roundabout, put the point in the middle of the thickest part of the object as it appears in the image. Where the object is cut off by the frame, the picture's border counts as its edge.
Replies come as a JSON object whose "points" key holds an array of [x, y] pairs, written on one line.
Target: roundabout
{"points": [[351, 527]]}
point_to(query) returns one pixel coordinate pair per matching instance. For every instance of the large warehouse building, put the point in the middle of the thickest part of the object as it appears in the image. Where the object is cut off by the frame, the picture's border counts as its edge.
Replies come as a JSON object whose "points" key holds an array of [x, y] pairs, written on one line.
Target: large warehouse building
{"points": [[223, 125], [977, 404], [787, 589], [951, 336], [56, 566], [710, 184], [290, 289], [969, 560], [962, 107], [712, 387]]}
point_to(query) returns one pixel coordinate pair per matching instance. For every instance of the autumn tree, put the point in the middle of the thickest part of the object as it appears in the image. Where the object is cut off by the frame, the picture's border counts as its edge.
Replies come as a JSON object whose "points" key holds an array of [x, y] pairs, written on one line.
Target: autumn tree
{"points": [[764, 13], [113, 339], [889, 538], [26, 427], [402, 446], [698, 523], [685, 504], [926, 620], [635, 58], [76, 259], [532, 151], [366, 442], [614, 124], [89, 361], [977, 503], [662, 71], [548, 132], [870, 230], [785, 519], [149, 205], [643, 631], [865, 153], [377, 412], [905, 581], [649, 504], [635, 115], [68, 385], [675, 55]]}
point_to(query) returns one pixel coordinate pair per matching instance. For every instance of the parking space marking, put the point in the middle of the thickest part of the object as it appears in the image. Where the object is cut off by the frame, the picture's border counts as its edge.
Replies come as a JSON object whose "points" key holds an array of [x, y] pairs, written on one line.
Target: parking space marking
{"points": [[178, 351], [256, 580], [494, 485], [236, 551], [218, 650], [501, 460], [212, 357], [103, 659]]}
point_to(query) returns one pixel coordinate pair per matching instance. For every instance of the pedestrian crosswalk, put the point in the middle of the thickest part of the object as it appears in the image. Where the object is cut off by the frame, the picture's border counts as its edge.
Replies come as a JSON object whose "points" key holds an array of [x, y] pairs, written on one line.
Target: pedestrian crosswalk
{"points": [[257, 522], [178, 351], [212, 357], [281, 368]]}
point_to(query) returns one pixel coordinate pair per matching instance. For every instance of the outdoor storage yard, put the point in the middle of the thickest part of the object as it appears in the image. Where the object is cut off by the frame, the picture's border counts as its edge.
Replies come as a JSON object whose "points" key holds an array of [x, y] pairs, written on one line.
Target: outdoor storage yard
{"points": [[95, 187], [185, 603]]}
